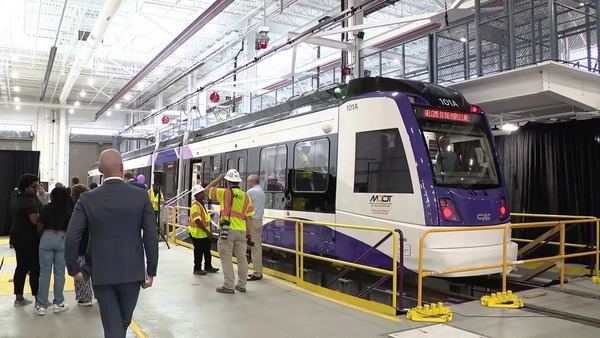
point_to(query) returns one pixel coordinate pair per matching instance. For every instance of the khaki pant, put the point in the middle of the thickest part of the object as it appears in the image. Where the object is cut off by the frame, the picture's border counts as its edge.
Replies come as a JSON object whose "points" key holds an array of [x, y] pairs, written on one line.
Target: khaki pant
{"points": [[256, 254], [235, 243]]}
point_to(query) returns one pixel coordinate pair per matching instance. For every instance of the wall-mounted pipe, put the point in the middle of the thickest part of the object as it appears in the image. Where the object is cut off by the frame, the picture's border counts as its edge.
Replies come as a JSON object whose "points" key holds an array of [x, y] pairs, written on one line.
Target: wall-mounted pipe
{"points": [[212, 11], [85, 55]]}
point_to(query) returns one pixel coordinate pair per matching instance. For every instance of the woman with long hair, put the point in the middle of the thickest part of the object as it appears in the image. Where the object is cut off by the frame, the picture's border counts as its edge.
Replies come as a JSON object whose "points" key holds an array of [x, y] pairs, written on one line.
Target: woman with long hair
{"points": [[83, 290], [52, 227]]}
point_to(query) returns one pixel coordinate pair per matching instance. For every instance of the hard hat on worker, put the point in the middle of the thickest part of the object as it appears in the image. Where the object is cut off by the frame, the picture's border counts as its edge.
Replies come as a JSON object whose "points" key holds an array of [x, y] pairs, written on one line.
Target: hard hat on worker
{"points": [[197, 189], [233, 176]]}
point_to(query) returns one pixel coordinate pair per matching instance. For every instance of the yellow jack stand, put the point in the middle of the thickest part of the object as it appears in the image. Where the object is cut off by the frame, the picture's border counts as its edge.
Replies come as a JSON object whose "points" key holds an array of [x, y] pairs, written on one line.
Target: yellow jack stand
{"points": [[433, 313], [596, 279], [504, 300]]}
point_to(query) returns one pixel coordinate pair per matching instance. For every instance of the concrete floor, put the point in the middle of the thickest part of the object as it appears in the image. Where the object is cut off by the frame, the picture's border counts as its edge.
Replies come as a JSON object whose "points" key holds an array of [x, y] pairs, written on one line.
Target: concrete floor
{"points": [[181, 304]]}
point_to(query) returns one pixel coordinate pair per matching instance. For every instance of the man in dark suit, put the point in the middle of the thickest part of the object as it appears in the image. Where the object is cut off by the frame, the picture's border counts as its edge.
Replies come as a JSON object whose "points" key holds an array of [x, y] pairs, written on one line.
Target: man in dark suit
{"points": [[129, 179], [115, 214]]}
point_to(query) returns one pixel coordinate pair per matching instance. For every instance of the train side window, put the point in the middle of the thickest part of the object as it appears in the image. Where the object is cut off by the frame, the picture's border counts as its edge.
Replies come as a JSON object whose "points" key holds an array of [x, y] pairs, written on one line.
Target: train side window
{"points": [[311, 166], [216, 167], [381, 165], [272, 168], [241, 168]]}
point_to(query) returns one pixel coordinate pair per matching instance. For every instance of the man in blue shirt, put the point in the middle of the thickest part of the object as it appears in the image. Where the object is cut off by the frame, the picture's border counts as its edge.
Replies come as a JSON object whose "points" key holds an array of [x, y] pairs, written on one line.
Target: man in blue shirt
{"points": [[258, 198]]}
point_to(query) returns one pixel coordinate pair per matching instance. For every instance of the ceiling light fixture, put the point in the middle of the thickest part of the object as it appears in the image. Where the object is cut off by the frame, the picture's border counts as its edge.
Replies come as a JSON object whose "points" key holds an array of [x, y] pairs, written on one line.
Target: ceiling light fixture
{"points": [[509, 127], [77, 103], [17, 89], [463, 40], [17, 99], [118, 106], [18, 107], [127, 97], [15, 75], [90, 82], [82, 93], [109, 113], [71, 111]]}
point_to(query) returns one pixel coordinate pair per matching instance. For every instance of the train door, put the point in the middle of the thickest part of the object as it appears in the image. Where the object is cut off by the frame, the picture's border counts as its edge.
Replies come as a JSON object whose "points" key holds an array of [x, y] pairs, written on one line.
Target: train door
{"points": [[196, 175], [238, 160]]}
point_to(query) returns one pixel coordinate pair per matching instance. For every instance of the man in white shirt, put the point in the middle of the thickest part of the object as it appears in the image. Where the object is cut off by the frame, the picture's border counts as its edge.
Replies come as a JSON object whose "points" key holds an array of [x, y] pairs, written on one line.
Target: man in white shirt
{"points": [[258, 198]]}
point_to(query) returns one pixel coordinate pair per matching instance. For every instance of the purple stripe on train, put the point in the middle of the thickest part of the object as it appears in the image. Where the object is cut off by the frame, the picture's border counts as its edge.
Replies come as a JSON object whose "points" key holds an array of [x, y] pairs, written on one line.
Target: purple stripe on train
{"points": [[164, 156]]}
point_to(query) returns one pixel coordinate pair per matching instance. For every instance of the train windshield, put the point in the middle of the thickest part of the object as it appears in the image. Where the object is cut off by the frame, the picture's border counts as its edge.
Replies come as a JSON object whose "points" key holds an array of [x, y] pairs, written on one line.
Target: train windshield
{"points": [[460, 149]]}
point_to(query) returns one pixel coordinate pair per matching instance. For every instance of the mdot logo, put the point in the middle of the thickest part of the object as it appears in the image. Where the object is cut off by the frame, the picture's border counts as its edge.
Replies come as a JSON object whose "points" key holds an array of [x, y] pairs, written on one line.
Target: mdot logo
{"points": [[381, 199]]}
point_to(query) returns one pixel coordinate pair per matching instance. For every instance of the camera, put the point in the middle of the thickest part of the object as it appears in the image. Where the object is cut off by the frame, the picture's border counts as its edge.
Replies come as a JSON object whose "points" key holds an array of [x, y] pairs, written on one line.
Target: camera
{"points": [[224, 232]]}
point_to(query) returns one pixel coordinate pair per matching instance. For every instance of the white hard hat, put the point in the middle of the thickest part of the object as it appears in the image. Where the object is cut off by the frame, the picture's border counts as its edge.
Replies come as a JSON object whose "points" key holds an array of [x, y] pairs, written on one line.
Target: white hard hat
{"points": [[197, 189], [233, 176]]}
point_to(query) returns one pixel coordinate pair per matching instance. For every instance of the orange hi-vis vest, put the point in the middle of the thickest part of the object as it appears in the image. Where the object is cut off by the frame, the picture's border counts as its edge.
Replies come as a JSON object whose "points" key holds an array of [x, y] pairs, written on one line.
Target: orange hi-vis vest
{"points": [[235, 206]]}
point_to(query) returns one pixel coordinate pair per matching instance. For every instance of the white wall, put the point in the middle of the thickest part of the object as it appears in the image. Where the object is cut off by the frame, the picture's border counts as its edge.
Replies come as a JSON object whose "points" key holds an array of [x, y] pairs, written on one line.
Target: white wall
{"points": [[52, 138]]}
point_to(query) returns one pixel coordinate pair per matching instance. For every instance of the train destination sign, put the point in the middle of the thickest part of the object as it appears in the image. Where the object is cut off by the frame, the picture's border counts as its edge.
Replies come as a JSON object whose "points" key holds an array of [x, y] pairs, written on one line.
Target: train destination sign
{"points": [[446, 115]]}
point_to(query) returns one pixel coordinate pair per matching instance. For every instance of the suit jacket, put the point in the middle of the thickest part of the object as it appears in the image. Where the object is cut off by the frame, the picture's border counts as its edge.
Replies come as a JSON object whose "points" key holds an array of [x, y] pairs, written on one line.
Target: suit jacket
{"points": [[115, 213], [138, 184]]}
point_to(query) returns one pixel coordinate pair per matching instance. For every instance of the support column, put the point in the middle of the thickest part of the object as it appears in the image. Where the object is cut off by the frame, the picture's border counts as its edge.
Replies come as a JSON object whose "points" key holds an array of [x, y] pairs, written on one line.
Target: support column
{"points": [[202, 102], [62, 156], [478, 68], [192, 115], [512, 46], [356, 53], [552, 30], [597, 35], [250, 73], [43, 141]]}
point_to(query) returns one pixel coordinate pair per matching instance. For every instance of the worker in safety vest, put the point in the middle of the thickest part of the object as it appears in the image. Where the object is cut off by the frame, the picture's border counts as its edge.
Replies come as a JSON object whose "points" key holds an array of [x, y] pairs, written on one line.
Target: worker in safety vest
{"points": [[156, 200], [200, 231], [303, 167], [234, 228]]}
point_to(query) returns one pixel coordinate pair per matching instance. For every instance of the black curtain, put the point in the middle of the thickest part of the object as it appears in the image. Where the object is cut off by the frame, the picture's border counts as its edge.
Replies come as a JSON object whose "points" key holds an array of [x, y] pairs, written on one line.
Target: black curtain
{"points": [[553, 169], [14, 164]]}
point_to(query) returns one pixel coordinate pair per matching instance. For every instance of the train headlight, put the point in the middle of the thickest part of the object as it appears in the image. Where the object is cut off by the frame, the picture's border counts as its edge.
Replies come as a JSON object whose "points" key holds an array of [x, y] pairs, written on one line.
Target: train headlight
{"points": [[449, 212]]}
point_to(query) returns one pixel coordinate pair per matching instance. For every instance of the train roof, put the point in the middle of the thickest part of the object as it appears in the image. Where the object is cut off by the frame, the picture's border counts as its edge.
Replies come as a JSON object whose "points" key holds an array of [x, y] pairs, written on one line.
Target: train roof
{"points": [[318, 100], [428, 91], [139, 152]]}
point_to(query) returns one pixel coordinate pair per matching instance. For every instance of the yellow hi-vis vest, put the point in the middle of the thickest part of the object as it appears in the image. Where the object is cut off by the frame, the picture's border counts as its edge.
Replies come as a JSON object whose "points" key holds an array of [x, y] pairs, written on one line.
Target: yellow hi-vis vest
{"points": [[154, 198], [198, 211], [235, 206]]}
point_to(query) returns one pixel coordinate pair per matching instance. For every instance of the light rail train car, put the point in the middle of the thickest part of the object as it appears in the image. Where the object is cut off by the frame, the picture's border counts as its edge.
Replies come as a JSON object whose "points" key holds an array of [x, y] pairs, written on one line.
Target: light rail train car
{"points": [[399, 154]]}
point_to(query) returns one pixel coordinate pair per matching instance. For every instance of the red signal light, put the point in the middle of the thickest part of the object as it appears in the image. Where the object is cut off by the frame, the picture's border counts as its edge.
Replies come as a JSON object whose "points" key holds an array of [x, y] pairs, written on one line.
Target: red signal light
{"points": [[447, 212], [476, 109], [503, 210]]}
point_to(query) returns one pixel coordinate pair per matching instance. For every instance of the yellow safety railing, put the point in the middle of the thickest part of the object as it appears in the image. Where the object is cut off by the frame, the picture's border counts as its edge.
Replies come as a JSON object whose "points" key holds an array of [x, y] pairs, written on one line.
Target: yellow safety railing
{"points": [[300, 255], [505, 299], [571, 245]]}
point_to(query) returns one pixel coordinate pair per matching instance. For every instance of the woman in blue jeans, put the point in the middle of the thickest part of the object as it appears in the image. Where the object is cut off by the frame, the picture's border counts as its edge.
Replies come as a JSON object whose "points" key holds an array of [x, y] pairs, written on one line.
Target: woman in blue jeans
{"points": [[52, 227]]}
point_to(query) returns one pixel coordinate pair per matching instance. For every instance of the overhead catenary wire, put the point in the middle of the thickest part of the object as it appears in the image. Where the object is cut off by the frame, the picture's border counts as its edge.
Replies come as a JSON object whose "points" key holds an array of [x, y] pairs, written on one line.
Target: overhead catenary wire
{"points": [[324, 24]]}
